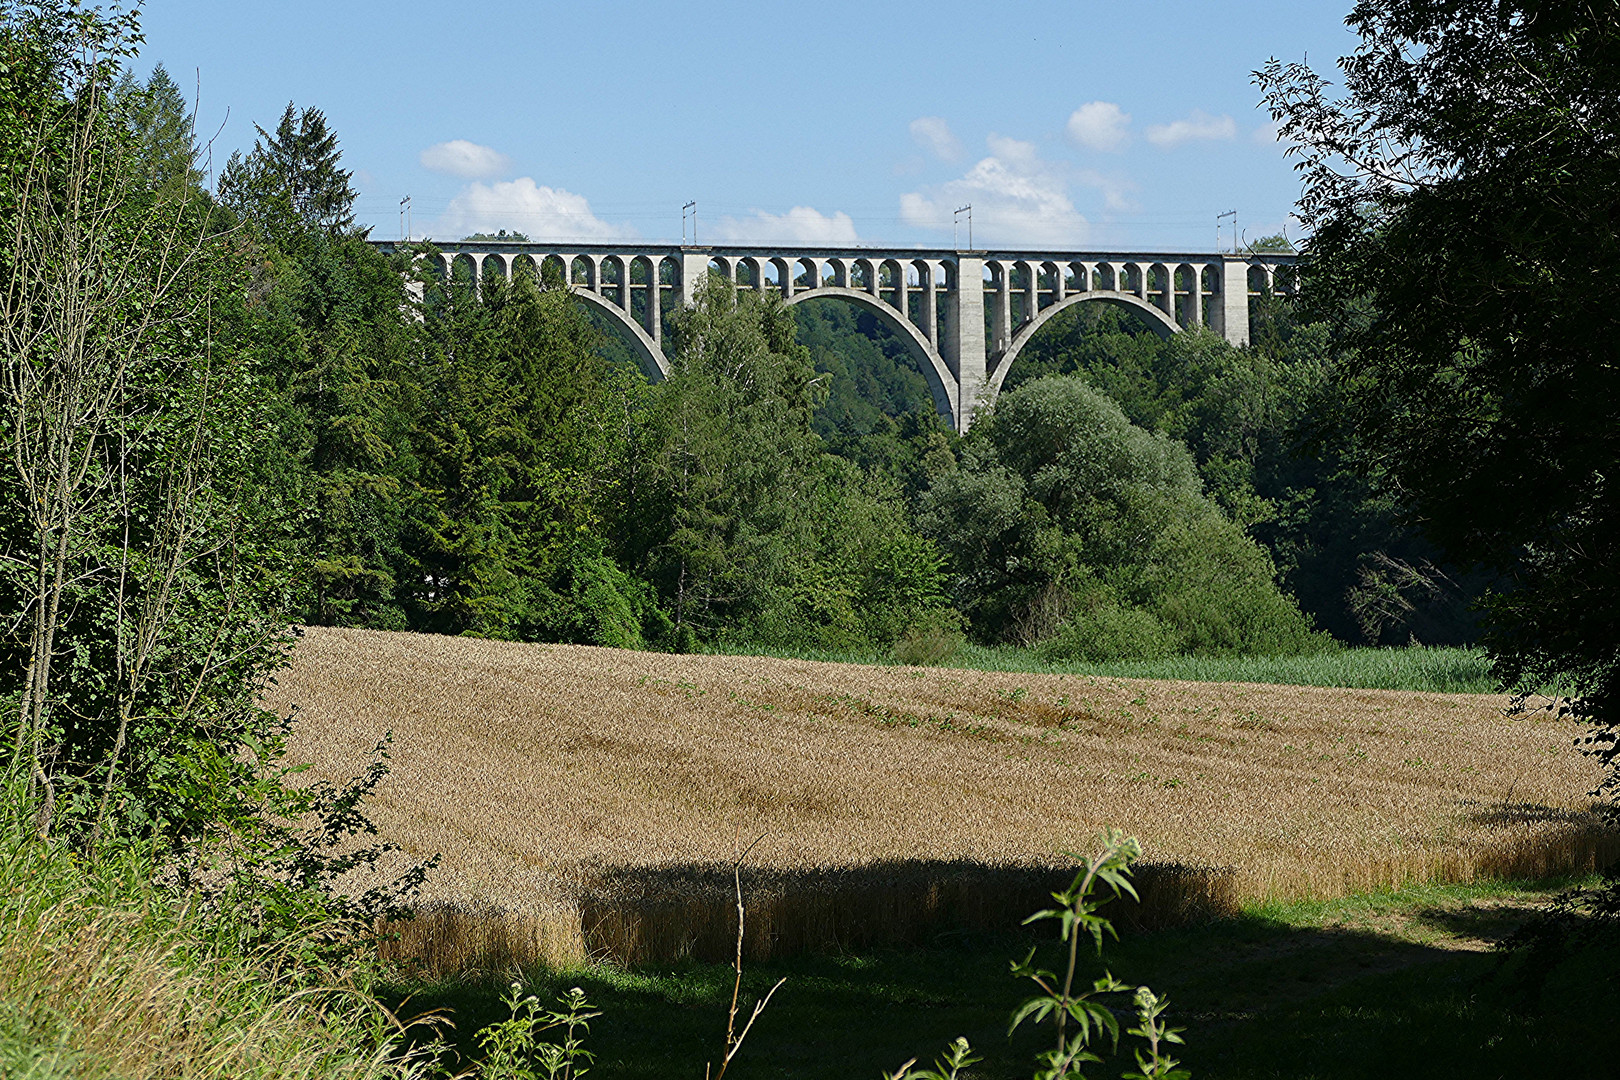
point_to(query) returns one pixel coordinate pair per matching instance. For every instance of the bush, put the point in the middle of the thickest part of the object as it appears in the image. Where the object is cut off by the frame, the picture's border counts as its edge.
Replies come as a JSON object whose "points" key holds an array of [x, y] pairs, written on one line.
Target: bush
{"points": [[1107, 631], [934, 638]]}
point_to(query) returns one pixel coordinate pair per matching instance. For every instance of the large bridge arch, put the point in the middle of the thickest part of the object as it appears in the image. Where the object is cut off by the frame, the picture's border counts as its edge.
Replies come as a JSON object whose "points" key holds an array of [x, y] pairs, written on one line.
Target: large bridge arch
{"points": [[940, 380], [653, 363], [1155, 317]]}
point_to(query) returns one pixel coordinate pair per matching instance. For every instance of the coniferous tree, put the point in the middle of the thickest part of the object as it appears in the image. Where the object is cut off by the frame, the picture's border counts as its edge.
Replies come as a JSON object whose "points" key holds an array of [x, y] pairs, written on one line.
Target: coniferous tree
{"points": [[166, 151], [292, 180]]}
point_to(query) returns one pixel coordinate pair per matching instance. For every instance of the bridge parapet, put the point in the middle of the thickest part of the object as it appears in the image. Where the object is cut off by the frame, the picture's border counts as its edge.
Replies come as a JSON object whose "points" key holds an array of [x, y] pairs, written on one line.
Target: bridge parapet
{"points": [[965, 315]]}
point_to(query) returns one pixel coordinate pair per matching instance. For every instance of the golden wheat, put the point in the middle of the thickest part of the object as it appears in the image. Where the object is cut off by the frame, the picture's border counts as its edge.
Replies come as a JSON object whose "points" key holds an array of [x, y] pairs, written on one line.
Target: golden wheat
{"points": [[590, 800]]}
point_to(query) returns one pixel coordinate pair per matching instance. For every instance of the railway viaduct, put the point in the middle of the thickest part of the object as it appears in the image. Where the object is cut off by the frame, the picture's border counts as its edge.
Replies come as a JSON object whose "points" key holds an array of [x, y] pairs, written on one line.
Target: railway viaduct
{"points": [[965, 315]]}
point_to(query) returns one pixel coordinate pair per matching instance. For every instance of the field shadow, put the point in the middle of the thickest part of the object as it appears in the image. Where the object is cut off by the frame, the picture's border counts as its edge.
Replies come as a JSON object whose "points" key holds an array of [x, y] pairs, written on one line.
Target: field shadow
{"points": [[1480, 812], [641, 915], [1259, 998]]}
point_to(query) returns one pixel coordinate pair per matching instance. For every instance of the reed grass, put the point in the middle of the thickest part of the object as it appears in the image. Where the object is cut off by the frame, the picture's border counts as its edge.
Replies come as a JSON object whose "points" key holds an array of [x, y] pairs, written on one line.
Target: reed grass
{"points": [[1436, 669], [580, 796]]}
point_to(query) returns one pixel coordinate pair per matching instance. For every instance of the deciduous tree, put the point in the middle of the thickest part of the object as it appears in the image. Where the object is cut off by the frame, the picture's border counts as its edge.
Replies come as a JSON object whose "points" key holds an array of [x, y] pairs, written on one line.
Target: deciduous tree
{"points": [[1462, 189]]}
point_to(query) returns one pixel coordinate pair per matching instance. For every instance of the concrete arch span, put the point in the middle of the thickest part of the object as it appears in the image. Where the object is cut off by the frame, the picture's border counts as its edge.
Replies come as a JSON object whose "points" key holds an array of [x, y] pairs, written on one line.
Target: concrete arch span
{"points": [[977, 310], [940, 380], [653, 363], [1151, 313]]}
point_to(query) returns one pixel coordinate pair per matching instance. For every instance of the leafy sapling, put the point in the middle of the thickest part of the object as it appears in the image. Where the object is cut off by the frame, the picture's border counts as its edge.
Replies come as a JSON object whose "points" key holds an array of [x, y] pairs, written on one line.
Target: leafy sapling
{"points": [[957, 1057], [1077, 910]]}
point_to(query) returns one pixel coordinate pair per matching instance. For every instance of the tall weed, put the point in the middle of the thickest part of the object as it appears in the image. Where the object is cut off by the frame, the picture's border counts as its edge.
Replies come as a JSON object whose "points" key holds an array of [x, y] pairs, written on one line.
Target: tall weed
{"points": [[103, 974]]}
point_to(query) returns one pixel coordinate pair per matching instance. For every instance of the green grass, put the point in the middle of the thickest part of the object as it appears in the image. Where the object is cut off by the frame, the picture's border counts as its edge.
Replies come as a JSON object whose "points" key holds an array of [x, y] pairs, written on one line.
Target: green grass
{"points": [[1371, 986], [1442, 670], [104, 976]]}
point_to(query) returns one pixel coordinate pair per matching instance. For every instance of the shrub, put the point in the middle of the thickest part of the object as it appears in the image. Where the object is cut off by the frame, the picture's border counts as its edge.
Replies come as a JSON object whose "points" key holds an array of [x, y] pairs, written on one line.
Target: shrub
{"points": [[1107, 631], [933, 638]]}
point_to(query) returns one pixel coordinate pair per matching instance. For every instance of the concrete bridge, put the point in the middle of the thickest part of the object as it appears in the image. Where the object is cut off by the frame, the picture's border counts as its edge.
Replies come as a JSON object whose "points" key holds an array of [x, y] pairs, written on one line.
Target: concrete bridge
{"points": [[965, 315]]}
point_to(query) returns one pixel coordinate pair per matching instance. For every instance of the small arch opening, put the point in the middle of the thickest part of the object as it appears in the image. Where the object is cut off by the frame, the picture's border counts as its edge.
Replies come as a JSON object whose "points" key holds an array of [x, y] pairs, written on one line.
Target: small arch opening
{"points": [[463, 267]]}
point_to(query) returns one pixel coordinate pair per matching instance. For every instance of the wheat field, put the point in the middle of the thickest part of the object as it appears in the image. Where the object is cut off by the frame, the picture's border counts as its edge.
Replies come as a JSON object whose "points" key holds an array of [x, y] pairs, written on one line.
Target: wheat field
{"points": [[590, 802]]}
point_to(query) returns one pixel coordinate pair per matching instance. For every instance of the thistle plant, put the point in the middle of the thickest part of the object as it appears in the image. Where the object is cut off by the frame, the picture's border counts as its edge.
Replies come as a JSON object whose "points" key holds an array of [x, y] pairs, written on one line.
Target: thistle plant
{"points": [[512, 1048], [1081, 1018]]}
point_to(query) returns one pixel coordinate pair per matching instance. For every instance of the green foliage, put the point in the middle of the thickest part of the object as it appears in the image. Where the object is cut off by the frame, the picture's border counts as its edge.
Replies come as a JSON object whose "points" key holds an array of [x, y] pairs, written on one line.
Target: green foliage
{"points": [[513, 1050], [1102, 629], [958, 1056], [327, 327], [936, 637], [879, 412], [291, 181], [105, 974], [145, 563], [500, 237], [165, 150], [745, 525], [1063, 508], [1492, 402], [1248, 416], [149, 530]]}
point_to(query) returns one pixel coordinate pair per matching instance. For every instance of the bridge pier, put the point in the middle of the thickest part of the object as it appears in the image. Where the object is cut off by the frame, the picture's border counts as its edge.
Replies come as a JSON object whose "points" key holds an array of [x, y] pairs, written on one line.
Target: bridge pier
{"points": [[965, 352], [965, 365]]}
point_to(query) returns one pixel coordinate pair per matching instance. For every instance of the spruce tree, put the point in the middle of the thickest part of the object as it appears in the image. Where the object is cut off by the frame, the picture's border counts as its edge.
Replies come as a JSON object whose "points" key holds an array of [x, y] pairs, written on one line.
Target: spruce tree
{"points": [[293, 179]]}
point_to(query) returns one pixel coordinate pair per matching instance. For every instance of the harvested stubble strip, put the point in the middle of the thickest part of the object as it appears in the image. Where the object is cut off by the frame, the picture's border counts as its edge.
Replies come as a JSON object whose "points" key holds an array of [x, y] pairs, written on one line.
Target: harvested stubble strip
{"points": [[564, 783]]}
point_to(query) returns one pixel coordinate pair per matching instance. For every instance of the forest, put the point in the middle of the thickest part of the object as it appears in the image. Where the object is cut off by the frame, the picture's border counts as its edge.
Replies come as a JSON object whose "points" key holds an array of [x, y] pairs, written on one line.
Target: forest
{"points": [[489, 461]]}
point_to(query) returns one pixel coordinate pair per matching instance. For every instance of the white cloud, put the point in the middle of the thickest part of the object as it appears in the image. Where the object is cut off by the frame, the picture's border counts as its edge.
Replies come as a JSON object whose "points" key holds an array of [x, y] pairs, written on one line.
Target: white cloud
{"points": [[1017, 199], [934, 135], [520, 205], [1116, 189], [1198, 126], [458, 157], [800, 225], [1099, 125]]}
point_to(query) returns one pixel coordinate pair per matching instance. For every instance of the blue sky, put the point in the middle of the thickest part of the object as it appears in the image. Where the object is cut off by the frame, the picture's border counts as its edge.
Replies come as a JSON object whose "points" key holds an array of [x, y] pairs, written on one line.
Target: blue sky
{"points": [[1074, 124]]}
